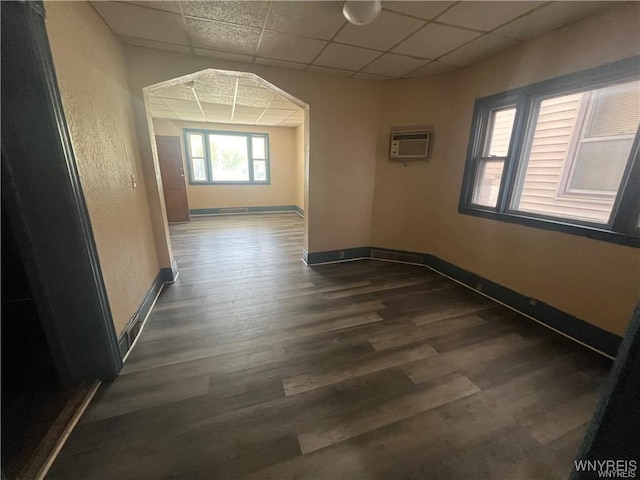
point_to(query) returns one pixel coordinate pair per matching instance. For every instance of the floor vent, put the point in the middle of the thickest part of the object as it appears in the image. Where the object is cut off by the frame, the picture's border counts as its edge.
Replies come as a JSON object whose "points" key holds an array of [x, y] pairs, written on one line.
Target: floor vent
{"points": [[397, 256], [234, 210]]}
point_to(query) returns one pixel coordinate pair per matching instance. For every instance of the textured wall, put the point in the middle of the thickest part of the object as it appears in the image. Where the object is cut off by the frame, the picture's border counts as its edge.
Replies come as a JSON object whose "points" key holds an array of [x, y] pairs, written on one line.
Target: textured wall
{"points": [[300, 159], [282, 153], [342, 133], [415, 207], [97, 104]]}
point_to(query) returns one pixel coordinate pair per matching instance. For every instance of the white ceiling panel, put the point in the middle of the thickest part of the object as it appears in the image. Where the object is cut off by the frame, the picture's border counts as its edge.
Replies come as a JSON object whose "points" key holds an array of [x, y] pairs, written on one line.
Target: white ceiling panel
{"points": [[485, 15], [223, 36], [382, 34], [140, 22], [234, 57], [213, 108], [288, 47], [550, 17], [425, 10], [311, 19], [167, 47], [432, 69], [393, 65], [174, 103], [345, 57], [160, 5], [244, 110], [281, 63], [478, 49], [210, 98], [253, 102], [434, 40], [371, 76], [253, 92], [314, 36], [242, 13], [330, 71]]}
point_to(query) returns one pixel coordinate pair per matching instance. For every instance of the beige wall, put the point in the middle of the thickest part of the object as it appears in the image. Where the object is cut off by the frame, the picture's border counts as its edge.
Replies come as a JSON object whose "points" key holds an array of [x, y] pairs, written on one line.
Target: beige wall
{"points": [[282, 160], [415, 207], [91, 75], [299, 167], [342, 138]]}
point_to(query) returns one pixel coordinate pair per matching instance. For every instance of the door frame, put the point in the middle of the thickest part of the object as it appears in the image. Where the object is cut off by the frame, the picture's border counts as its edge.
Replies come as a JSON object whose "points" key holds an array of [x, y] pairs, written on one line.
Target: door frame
{"points": [[46, 206]]}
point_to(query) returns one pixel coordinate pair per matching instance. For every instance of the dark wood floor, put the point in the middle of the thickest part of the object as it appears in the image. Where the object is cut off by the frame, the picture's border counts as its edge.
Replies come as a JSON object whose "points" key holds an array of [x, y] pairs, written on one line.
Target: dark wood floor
{"points": [[253, 365]]}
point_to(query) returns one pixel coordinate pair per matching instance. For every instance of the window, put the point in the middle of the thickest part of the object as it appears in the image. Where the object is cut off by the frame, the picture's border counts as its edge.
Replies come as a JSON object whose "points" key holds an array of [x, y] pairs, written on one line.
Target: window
{"points": [[215, 157], [561, 154]]}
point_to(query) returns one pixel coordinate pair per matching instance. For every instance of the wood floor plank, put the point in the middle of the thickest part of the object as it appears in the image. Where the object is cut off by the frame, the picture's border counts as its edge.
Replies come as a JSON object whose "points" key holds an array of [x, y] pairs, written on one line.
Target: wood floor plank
{"points": [[253, 365]]}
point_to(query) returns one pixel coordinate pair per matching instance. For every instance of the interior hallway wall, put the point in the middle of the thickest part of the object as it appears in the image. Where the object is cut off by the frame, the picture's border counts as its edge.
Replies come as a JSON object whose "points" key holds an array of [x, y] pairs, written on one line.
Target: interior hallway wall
{"points": [[416, 207], [342, 138], [93, 84]]}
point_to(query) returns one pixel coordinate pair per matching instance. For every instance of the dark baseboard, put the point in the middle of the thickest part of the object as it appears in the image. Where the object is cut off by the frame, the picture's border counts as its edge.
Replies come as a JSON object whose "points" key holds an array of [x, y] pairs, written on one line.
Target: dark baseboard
{"points": [[169, 275], [134, 326], [299, 211], [236, 210], [580, 330], [338, 255]]}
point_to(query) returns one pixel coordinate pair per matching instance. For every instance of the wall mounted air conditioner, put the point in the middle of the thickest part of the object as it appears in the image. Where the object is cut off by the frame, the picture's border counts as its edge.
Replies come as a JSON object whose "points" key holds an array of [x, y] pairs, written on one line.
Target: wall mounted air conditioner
{"points": [[409, 143]]}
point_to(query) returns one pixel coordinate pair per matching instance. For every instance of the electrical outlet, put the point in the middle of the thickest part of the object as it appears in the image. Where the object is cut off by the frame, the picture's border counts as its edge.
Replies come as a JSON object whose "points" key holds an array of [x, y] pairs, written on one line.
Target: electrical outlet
{"points": [[134, 183]]}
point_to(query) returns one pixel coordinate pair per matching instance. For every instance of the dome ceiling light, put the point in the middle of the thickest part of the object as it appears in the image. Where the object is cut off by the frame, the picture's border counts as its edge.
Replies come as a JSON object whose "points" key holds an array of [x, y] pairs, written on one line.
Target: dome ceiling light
{"points": [[361, 12]]}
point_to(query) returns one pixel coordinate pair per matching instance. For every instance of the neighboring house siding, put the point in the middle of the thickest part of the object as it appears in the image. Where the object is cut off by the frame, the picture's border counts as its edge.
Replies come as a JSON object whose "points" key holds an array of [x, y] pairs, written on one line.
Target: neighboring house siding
{"points": [[551, 145]]}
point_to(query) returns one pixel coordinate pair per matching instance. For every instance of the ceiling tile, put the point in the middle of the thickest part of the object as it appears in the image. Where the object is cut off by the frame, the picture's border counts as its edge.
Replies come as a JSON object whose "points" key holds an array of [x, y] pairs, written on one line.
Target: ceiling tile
{"points": [[287, 47], [155, 100], [234, 57], [330, 71], [478, 49], [433, 68], [223, 36], [285, 105], [168, 47], [426, 10], [371, 76], [241, 13], [394, 65], [279, 112], [179, 103], [134, 21], [311, 19], [486, 15], [177, 91], [253, 102], [192, 117], [243, 110], [252, 92], [281, 63], [215, 109], [160, 5], [549, 17], [345, 56], [382, 34], [434, 40], [211, 98]]}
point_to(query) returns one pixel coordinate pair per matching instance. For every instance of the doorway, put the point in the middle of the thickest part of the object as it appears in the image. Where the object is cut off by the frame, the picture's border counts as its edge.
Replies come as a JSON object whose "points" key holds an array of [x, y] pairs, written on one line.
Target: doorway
{"points": [[242, 145]]}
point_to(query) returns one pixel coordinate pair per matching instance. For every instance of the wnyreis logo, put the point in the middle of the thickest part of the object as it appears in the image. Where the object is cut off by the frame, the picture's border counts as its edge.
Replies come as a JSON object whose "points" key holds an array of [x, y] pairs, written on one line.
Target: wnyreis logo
{"points": [[608, 468]]}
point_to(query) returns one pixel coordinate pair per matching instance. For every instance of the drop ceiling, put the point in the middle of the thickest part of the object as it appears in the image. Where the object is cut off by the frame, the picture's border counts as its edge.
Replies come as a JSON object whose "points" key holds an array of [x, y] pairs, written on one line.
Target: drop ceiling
{"points": [[409, 38], [219, 97]]}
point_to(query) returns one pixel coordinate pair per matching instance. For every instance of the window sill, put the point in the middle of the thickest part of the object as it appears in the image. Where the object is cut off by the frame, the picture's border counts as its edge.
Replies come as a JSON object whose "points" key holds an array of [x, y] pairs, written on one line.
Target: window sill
{"points": [[206, 184], [558, 226]]}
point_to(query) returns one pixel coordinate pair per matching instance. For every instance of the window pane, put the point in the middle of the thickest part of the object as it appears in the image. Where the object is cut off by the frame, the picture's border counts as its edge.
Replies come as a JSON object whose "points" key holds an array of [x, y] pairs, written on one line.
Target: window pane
{"points": [[260, 170], [198, 169], [599, 165], [499, 135], [578, 154], [258, 147], [229, 158], [196, 144], [487, 184]]}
